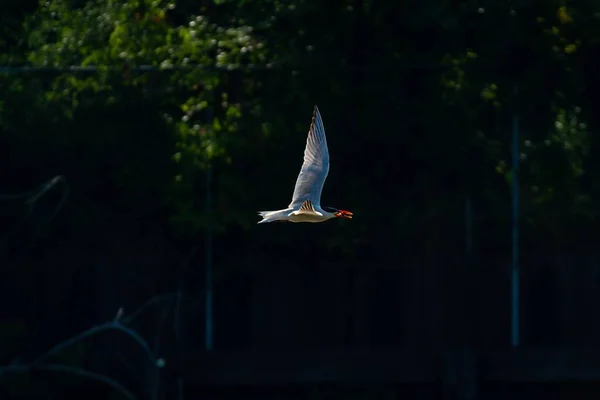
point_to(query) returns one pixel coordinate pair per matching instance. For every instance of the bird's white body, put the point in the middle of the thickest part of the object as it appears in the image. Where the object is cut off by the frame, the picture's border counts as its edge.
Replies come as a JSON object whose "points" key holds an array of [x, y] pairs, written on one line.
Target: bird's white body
{"points": [[289, 214], [305, 205]]}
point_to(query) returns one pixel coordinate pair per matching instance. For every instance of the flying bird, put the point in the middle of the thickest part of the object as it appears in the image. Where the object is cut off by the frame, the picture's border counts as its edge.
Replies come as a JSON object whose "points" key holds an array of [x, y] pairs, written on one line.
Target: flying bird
{"points": [[306, 200]]}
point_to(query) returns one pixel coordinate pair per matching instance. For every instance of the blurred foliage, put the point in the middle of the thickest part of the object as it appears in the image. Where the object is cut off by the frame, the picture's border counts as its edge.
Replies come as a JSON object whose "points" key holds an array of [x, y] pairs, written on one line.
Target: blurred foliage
{"points": [[168, 118], [225, 83], [171, 119], [120, 37]]}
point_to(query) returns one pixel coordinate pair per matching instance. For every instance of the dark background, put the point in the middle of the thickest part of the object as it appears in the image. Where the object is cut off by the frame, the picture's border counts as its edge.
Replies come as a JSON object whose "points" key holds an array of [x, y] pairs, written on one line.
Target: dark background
{"points": [[161, 173]]}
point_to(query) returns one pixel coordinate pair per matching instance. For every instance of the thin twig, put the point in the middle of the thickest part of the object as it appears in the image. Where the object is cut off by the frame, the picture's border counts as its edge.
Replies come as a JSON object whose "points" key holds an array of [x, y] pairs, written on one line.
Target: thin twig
{"points": [[113, 325], [159, 298], [34, 195], [73, 371]]}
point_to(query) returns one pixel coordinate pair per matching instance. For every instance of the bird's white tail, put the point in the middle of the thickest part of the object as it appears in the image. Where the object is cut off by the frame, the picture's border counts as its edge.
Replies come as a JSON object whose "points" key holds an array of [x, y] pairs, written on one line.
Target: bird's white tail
{"points": [[270, 216]]}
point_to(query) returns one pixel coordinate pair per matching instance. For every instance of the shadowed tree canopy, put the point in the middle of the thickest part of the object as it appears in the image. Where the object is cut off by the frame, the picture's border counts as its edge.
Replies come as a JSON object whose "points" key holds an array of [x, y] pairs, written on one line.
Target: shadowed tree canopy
{"points": [[232, 78], [171, 119]]}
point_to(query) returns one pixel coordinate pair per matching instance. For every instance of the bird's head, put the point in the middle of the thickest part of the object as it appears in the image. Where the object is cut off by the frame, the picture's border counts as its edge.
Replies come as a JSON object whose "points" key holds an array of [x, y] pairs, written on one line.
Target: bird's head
{"points": [[340, 213]]}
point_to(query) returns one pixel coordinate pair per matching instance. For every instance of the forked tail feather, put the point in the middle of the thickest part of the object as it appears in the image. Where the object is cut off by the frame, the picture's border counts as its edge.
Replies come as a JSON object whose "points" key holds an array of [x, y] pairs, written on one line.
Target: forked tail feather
{"points": [[271, 216]]}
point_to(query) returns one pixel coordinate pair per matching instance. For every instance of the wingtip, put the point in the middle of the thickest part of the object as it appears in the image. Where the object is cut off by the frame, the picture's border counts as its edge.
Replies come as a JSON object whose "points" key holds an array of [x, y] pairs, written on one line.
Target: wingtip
{"points": [[316, 114]]}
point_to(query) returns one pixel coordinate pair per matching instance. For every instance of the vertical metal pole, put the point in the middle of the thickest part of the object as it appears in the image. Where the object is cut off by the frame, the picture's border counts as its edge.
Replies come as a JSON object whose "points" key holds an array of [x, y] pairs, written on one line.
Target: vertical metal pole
{"points": [[209, 262], [468, 228], [515, 235], [209, 293]]}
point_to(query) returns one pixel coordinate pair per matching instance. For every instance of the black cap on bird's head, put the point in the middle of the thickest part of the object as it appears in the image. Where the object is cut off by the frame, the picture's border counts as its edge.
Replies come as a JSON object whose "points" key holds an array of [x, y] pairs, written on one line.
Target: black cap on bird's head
{"points": [[339, 213]]}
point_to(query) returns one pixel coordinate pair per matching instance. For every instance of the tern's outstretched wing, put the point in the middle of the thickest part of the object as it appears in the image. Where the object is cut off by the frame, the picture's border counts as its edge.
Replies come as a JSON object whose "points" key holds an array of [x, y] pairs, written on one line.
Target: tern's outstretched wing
{"points": [[315, 167]]}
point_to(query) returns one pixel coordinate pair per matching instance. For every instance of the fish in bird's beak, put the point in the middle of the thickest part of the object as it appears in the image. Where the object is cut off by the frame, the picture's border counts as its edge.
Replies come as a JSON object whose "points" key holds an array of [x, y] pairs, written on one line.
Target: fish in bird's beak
{"points": [[344, 214]]}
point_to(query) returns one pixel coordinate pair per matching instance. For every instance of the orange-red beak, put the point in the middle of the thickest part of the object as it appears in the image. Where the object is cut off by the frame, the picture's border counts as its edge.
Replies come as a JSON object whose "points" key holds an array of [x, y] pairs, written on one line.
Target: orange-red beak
{"points": [[344, 214]]}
